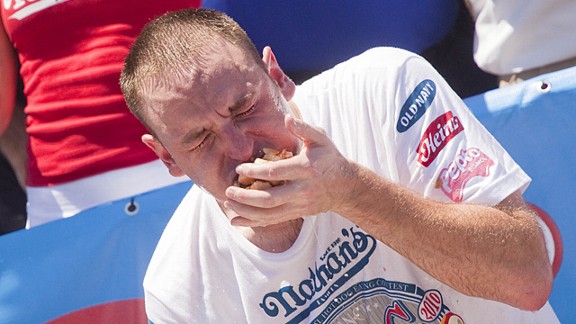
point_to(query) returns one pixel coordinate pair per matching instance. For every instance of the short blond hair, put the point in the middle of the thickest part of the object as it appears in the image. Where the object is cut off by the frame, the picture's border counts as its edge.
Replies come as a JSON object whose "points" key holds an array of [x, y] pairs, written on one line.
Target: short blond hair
{"points": [[178, 42]]}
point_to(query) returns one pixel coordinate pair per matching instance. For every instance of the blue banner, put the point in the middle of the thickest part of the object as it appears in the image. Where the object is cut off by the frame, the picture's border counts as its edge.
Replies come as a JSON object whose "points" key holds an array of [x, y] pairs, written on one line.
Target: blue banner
{"points": [[311, 36], [536, 122], [88, 268]]}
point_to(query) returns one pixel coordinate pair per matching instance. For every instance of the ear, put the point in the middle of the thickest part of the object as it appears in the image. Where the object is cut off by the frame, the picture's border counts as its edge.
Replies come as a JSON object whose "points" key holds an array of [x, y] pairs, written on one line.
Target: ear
{"points": [[163, 154], [286, 85]]}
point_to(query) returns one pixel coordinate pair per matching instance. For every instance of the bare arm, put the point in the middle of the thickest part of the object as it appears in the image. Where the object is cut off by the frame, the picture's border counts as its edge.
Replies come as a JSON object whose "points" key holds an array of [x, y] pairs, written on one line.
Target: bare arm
{"points": [[493, 253], [7, 80]]}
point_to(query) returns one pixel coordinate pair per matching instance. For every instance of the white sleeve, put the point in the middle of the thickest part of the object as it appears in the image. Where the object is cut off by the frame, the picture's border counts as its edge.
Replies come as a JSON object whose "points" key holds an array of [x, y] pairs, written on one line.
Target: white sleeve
{"points": [[391, 111], [441, 149]]}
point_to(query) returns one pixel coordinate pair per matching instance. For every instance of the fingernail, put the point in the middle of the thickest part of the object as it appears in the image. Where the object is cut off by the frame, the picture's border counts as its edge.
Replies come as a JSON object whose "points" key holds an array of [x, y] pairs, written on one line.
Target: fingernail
{"points": [[229, 193], [238, 221], [297, 124]]}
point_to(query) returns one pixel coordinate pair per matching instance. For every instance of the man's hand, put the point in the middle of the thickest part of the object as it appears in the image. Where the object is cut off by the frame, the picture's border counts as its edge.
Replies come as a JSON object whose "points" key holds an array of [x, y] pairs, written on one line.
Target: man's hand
{"points": [[316, 180]]}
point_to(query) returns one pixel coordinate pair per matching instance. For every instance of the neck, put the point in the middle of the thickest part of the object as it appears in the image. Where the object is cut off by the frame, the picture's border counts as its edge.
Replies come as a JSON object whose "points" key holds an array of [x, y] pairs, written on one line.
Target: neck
{"points": [[274, 238]]}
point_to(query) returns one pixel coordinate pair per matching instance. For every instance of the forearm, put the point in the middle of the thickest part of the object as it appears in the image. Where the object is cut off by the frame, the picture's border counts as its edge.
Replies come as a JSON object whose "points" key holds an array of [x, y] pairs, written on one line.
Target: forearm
{"points": [[478, 250], [492, 253]]}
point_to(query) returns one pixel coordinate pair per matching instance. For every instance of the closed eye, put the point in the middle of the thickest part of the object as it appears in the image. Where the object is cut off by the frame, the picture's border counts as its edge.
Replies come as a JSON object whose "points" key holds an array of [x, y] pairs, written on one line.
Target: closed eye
{"points": [[247, 112], [204, 140]]}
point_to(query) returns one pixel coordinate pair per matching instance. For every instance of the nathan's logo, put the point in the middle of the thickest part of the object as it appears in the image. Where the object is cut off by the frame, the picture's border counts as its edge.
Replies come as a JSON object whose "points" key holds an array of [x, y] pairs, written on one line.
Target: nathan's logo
{"points": [[340, 264], [416, 104], [436, 136], [468, 164], [23, 8], [388, 302]]}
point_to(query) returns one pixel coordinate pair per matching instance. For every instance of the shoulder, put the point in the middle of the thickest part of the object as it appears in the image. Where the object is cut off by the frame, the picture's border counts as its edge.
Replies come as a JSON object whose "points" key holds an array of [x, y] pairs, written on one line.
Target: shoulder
{"points": [[178, 235], [378, 63], [383, 58], [170, 274], [385, 54]]}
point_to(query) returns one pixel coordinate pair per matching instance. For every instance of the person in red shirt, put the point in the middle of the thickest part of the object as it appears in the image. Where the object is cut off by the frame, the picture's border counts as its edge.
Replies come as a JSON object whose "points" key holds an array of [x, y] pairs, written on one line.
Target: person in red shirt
{"points": [[84, 145]]}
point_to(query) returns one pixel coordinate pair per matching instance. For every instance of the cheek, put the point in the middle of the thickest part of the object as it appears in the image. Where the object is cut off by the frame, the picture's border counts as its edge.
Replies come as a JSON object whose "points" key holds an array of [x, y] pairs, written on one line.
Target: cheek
{"points": [[213, 171], [269, 126]]}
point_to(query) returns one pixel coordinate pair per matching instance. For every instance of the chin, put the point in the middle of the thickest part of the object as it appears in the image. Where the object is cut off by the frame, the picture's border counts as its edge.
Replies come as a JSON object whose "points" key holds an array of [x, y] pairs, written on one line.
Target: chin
{"points": [[220, 195]]}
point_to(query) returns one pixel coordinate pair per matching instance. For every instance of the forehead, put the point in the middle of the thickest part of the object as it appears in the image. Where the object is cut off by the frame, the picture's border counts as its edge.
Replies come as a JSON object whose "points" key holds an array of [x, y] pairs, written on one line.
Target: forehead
{"points": [[216, 79]]}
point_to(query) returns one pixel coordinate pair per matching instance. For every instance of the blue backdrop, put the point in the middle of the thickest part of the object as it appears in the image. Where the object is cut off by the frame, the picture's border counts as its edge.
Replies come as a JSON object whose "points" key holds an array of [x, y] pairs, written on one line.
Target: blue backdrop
{"points": [[98, 257], [536, 122], [310, 36]]}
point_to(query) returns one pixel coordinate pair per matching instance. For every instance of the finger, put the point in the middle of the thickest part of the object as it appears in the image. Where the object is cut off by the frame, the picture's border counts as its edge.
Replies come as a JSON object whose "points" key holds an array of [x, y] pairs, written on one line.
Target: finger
{"points": [[288, 169], [257, 216], [243, 222], [268, 198]]}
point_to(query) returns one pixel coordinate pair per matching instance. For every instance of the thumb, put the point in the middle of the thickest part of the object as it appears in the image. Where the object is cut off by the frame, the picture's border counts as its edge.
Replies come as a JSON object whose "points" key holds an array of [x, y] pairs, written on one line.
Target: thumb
{"points": [[306, 132]]}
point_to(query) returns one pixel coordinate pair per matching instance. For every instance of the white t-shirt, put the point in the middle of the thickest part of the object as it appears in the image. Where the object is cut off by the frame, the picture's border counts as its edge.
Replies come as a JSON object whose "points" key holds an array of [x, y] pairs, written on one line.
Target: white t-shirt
{"points": [[205, 271], [517, 35]]}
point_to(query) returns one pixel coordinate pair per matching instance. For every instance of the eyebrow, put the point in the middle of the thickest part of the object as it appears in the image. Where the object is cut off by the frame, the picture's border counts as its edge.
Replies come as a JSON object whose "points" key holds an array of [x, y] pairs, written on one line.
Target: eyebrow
{"points": [[192, 135]]}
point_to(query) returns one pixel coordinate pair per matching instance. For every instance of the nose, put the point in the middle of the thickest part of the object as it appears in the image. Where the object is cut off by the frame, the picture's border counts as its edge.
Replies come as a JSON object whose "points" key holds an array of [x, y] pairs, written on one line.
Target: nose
{"points": [[237, 143]]}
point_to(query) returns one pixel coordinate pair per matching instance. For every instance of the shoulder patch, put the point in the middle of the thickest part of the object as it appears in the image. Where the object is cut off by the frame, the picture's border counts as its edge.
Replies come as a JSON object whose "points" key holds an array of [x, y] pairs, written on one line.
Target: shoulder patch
{"points": [[416, 104]]}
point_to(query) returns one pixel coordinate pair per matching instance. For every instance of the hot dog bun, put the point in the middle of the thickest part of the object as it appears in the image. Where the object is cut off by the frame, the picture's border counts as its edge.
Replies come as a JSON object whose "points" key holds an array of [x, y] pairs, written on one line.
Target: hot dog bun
{"points": [[256, 184]]}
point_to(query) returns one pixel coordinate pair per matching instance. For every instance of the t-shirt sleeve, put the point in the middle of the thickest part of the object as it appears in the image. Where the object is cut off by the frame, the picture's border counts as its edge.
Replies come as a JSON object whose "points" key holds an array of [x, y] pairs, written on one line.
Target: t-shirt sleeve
{"points": [[440, 149]]}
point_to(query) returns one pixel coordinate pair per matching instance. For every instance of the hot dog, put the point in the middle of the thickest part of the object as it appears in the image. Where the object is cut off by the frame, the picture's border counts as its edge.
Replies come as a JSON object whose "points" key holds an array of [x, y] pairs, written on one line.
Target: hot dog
{"points": [[256, 184]]}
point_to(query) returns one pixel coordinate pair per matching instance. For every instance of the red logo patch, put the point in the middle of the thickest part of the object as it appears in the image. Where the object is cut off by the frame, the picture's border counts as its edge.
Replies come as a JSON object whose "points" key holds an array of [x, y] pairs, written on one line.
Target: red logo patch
{"points": [[467, 165], [437, 135], [431, 306]]}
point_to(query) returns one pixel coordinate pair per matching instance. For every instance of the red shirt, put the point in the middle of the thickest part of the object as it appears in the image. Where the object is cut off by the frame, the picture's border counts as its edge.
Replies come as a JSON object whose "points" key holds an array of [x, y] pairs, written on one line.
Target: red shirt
{"points": [[71, 55]]}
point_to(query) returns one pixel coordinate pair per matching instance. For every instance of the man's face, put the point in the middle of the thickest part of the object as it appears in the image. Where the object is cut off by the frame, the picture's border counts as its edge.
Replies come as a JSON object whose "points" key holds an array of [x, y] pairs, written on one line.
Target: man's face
{"points": [[221, 118]]}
